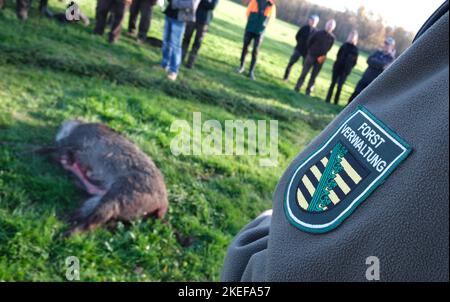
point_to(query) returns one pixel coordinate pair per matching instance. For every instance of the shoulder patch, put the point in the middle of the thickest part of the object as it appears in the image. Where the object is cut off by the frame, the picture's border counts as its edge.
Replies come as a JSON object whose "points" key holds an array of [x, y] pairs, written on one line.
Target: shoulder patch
{"points": [[332, 181]]}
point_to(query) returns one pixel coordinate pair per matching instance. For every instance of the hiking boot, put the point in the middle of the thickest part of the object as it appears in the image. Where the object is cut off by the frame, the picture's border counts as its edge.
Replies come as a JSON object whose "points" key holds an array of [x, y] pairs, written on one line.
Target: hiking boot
{"points": [[113, 38], [172, 76], [131, 34], [22, 15], [251, 75], [191, 61], [240, 69]]}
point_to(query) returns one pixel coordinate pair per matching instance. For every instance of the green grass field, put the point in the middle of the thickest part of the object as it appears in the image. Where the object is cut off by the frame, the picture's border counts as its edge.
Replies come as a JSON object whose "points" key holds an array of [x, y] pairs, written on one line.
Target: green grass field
{"points": [[51, 72]]}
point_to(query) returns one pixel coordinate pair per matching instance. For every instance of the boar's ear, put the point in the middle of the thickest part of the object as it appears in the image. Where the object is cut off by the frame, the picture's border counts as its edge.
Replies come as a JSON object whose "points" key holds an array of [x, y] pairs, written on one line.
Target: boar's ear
{"points": [[66, 128]]}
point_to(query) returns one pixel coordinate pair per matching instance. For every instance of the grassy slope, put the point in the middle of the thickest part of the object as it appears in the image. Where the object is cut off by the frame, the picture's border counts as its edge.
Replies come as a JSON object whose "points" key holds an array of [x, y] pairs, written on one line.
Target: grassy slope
{"points": [[51, 72]]}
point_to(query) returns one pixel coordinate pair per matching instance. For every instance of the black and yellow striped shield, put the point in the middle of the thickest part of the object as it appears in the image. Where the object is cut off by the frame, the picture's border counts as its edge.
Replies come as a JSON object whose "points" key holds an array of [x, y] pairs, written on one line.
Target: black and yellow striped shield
{"points": [[329, 180], [329, 184]]}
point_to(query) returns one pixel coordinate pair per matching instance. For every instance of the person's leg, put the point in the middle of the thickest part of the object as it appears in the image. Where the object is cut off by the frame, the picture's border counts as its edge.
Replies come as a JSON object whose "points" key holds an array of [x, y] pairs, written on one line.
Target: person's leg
{"points": [[256, 45], [308, 62], [146, 15], [22, 7], [101, 13], [2, 4], [190, 27], [176, 37], [42, 4], [247, 40], [43, 8], [303, 56], [294, 59], [119, 8], [334, 78], [340, 83], [134, 11], [315, 71], [166, 50], [200, 33], [359, 87]]}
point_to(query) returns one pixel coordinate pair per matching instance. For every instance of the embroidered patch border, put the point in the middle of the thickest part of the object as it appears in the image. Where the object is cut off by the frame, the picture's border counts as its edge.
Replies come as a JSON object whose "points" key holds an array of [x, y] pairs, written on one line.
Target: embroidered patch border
{"points": [[315, 207]]}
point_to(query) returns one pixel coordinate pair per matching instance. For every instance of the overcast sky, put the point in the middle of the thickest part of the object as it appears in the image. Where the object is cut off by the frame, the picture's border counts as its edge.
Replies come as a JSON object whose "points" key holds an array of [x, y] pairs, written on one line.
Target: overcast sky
{"points": [[410, 14]]}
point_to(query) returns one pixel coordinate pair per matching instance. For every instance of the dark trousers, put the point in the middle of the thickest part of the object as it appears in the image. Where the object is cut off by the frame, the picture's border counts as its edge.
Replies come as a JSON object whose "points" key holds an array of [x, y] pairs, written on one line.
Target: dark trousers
{"points": [[117, 9], [145, 8], [309, 62], [200, 32], [362, 84], [296, 55], [22, 6], [339, 79], [248, 37]]}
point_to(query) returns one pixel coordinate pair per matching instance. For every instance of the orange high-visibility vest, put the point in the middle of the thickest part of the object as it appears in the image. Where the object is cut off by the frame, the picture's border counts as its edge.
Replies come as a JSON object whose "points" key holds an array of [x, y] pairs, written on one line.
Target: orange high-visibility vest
{"points": [[270, 11]]}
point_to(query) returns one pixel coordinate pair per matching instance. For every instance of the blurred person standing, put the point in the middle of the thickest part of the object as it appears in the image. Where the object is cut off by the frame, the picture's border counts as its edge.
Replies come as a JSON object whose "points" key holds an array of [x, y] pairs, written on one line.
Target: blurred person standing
{"points": [[377, 62], [145, 8], [318, 46], [117, 9], [177, 12], [204, 16], [346, 59], [301, 48], [23, 6], [259, 12]]}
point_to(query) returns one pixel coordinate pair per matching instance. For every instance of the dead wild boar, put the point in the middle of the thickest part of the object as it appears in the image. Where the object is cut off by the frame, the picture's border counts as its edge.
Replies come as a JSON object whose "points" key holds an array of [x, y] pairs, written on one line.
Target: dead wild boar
{"points": [[124, 182]]}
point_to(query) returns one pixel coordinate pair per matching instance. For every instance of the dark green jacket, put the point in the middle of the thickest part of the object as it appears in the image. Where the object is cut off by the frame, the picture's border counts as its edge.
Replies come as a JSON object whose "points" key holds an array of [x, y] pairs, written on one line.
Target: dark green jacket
{"points": [[259, 17], [205, 11], [403, 221]]}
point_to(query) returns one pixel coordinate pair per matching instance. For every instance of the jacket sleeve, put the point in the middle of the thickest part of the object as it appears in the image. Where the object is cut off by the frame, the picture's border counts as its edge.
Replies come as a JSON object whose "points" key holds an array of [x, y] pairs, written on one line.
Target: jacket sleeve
{"points": [[355, 56], [404, 221], [250, 240], [300, 33], [311, 39], [377, 62], [352, 59], [339, 54], [273, 14], [329, 46]]}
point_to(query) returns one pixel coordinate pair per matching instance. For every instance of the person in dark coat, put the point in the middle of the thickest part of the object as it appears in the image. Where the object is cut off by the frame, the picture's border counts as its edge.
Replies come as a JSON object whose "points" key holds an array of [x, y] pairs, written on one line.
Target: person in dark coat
{"points": [[204, 16], [145, 8], [22, 7], [318, 46], [301, 48], [377, 62], [346, 59], [117, 9]]}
